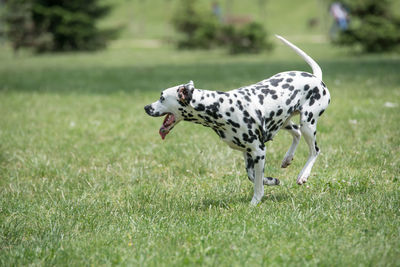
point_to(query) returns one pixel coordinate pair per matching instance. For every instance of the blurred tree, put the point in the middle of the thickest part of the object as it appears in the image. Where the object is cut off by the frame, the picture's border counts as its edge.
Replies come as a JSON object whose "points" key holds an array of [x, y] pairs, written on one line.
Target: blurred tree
{"points": [[18, 18], [197, 24], [201, 28], [373, 26], [56, 25], [248, 38]]}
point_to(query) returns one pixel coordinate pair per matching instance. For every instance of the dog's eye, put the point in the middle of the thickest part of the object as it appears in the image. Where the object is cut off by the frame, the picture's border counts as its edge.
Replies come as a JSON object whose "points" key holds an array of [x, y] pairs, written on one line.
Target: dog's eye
{"points": [[162, 98]]}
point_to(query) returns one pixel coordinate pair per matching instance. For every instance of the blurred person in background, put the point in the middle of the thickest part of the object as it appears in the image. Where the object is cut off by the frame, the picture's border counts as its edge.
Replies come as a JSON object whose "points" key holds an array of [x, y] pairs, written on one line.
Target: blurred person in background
{"points": [[341, 17]]}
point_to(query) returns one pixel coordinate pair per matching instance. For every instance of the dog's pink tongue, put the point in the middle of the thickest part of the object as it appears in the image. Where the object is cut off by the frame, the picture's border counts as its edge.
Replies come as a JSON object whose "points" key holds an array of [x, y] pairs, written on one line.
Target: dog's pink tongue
{"points": [[163, 132]]}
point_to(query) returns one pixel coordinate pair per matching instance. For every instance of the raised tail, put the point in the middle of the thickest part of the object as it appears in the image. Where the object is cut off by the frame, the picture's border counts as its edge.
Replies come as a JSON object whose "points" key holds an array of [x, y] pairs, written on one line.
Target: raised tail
{"points": [[316, 69]]}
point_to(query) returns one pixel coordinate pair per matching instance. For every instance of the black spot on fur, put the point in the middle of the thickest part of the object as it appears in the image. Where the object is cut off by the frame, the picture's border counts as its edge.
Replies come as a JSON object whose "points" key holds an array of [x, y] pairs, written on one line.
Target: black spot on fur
{"points": [[234, 124], [213, 110], [309, 95], [200, 107], [222, 93], [316, 93], [310, 116], [239, 105], [293, 96], [279, 112], [305, 74], [271, 115], [237, 142], [261, 99], [275, 82]]}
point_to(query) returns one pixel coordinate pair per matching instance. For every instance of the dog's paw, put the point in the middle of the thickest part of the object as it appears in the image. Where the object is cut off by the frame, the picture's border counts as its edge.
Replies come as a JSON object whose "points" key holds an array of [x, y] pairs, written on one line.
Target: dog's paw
{"points": [[286, 161], [302, 180], [254, 202], [271, 181]]}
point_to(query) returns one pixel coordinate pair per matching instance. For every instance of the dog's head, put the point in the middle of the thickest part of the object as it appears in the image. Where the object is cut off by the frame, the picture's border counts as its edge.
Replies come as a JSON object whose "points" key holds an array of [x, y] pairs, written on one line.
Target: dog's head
{"points": [[171, 103]]}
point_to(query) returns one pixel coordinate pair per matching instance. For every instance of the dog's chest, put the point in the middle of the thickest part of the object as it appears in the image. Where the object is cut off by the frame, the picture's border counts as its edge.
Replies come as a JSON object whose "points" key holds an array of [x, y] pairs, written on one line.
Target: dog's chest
{"points": [[239, 118]]}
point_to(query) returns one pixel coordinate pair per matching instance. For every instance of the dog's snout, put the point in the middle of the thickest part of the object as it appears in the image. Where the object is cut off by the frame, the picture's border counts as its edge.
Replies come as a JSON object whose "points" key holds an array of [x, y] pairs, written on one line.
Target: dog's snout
{"points": [[149, 110]]}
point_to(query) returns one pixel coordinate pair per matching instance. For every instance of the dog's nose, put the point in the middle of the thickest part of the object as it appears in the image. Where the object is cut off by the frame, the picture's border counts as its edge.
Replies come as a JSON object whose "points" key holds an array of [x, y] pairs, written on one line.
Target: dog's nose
{"points": [[148, 109]]}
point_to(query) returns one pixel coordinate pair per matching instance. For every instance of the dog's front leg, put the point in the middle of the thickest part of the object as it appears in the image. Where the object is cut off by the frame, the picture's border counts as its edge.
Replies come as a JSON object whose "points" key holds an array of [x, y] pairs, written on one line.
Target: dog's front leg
{"points": [[248, 161], [255, 161]]}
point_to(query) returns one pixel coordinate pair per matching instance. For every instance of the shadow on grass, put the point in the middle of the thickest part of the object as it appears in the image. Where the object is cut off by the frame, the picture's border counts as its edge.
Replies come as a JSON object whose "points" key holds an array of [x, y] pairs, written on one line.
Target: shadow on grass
{"points": [[221, 76], [226, 202], [222, 202], [277, 197]]}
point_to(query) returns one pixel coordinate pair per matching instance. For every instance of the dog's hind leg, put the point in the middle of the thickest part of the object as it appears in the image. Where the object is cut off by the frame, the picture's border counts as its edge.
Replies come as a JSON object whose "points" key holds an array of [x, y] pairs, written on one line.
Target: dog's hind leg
{"points": [[308, 129], [293, 129]]}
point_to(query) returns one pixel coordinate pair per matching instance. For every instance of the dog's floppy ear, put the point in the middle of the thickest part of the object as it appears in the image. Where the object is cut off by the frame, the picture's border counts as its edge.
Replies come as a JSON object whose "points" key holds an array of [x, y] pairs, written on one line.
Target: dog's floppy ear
{"points": [[185, 92]]}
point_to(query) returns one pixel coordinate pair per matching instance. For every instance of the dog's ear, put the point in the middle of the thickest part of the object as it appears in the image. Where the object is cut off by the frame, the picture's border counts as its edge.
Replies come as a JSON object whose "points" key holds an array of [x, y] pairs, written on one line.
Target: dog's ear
{"points": [[190, 85], [185, 92]]}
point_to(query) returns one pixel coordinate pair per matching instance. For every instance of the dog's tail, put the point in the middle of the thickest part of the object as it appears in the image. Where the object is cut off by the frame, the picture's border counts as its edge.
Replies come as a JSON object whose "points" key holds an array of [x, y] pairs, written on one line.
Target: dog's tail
{"points": [[316, 69]]}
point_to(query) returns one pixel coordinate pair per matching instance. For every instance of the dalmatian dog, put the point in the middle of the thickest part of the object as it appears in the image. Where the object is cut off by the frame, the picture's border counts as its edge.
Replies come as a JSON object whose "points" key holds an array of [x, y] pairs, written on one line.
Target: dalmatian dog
{"points": [[248, 117]]}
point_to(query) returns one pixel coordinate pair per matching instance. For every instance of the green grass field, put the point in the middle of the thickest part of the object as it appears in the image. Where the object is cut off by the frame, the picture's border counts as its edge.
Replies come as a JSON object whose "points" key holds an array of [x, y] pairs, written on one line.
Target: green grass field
{"points": [[85, 178]]}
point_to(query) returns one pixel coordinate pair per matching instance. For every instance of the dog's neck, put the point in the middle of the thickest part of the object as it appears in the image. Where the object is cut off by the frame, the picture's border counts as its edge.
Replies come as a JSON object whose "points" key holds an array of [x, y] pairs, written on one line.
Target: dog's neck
{"points": [[204, 108]]}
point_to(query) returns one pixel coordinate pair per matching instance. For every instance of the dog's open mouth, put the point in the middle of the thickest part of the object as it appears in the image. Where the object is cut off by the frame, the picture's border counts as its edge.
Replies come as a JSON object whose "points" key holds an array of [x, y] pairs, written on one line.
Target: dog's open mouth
{"points": [[167, 125]]}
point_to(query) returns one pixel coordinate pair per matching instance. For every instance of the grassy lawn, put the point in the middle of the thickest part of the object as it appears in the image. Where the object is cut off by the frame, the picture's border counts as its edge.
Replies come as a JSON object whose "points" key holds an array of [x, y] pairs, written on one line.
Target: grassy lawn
{"points": [[85, 178]]}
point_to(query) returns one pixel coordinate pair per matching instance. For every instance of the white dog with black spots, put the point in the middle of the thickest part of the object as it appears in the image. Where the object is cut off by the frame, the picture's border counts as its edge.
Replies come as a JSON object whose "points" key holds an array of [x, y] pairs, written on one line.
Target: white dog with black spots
{"points": [[248, 117]]}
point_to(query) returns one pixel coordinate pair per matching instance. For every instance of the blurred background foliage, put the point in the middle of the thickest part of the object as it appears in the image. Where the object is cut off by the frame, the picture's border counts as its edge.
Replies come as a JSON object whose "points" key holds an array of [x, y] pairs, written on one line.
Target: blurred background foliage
{"points": [[201, 28], [239, 26], [374, 26], [61, 25]]}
